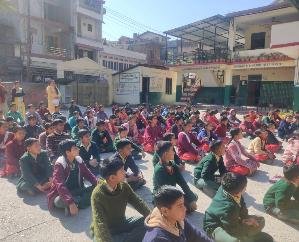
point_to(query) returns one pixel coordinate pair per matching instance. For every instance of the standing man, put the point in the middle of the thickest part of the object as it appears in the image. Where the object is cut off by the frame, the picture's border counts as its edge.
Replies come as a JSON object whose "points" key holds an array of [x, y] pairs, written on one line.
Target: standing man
{"points": [[3, 92]]}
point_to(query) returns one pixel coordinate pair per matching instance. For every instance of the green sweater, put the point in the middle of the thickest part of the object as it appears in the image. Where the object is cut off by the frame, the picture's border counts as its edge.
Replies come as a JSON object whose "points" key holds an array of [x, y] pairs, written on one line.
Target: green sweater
{"points": [[279, 195], [207, 168], [17, 116], [226, 213], [134, 146], [35, 171], [162, 177], [108, 209]]}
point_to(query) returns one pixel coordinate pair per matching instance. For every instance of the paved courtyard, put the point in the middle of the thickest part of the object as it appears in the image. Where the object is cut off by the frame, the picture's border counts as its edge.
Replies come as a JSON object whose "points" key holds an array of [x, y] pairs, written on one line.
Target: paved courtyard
{"points": [[28, 219]]}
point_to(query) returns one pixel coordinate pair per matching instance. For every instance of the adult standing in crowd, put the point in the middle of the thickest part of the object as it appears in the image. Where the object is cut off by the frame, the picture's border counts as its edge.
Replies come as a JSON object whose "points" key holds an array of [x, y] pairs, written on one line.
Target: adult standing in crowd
{"points": [[3, 92], [53, 96], [17, 97]]}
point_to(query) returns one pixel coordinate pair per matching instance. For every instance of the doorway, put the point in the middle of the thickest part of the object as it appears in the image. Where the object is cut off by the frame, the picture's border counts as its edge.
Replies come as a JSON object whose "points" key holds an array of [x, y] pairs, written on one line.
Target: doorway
{"points": [[144, 98], [254, 86]]}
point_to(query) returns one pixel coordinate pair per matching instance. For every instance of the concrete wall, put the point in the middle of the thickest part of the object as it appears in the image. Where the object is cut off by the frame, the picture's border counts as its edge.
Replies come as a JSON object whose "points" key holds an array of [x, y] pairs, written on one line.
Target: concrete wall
{"points": [[286, 33], [83, 22], [271, 74]]}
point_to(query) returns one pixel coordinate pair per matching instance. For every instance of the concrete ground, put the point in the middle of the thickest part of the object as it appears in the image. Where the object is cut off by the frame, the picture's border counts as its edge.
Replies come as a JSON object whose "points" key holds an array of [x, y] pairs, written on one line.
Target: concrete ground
{"points": [[28, 219]]}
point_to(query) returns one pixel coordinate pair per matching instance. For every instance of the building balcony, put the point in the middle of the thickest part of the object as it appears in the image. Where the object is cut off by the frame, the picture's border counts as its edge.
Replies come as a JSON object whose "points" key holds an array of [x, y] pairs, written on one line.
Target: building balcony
{"points": [[96, 10], [88, 42]]}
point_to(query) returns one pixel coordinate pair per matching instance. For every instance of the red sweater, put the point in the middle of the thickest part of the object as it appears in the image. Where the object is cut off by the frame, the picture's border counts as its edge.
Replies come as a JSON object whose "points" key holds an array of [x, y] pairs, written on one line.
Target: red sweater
{"points": [[221, 130], [185, 142], [152, 135]]}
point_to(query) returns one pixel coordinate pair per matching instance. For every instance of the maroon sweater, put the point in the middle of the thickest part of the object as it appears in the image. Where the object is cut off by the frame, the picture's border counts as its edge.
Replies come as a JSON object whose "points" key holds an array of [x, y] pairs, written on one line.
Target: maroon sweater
{"points": [[185, 142]]}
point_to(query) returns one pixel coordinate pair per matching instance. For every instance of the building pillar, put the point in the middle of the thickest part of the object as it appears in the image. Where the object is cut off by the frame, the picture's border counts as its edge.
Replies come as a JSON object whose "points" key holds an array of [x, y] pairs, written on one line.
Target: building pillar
{"points": [[231, 35], [227, 85], [296, 86]]}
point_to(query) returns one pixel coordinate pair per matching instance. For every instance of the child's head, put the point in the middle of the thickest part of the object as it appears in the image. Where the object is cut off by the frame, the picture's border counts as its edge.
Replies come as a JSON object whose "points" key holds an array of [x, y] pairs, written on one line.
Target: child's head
{"points": [[31, 108], [58, 125], [33, 146], [170, 137], [84, 136], [68, 149], [178, 120], [217, 147], [271, 127], [165, 151], [112, 119], [80, 123], [170, 201], [208, 126], [153, 120], [49, 128], [19, 133], [100, 125], [13, 107], [224, 120], [123, 132], [291, 173], [112, 170], [234, 184], [247, 118], [187, 126], [262, 133], [3, 127], [124, 147], [289, 118], [32, 120]]}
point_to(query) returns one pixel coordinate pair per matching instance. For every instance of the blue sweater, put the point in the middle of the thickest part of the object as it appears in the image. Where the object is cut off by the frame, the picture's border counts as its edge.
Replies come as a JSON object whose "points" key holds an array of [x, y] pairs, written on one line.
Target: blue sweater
{"points": [[189, 234]]}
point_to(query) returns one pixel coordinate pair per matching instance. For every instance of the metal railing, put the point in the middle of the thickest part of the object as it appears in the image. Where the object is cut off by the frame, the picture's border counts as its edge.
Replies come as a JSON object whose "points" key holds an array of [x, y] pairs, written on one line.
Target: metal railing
{"points": [[59, 52]]}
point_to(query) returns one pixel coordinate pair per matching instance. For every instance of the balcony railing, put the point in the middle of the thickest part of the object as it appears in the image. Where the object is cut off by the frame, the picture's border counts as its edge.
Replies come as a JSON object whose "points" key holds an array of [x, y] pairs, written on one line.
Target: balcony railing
{"points": [[59, 52]]}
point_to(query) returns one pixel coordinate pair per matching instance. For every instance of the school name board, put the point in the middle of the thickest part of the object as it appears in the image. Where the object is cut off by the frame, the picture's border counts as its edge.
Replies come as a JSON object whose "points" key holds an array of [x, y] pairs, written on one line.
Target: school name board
{"points": [[262, 65], [128, 84]]}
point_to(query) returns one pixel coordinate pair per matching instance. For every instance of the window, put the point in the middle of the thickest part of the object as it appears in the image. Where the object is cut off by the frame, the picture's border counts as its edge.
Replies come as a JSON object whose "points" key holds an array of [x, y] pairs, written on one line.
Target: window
{"points": [[258, 40], [104, 63], [80, 53], [168, 89], [115, 66], [89, 28], [121, 66], [52, 41], [90, 55]]}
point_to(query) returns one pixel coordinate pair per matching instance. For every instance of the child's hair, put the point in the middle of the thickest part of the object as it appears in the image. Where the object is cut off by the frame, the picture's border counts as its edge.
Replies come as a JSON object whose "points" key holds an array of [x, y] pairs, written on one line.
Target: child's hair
{"points": [[113, 116], [246, 116], [100, 122], [162, 147], [187, 122], [168, 136], [122, 128], [122, 143], [223, 118], [18, 128], [79, 120], [57, 121], [110, 167], [31, 117], [215, 144], [291, 172], [233, 183], [258, 132], [48, 125], [166, 196], [8, 119], [82, 133], [234, 132], [178, 118], [29, 142], [206, 124], [150, 118], [66, 145]]}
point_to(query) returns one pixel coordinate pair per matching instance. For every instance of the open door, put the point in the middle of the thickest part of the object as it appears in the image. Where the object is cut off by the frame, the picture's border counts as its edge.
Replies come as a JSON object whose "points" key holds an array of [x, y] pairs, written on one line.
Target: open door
{"points": [[144, 97], [254, 86]]}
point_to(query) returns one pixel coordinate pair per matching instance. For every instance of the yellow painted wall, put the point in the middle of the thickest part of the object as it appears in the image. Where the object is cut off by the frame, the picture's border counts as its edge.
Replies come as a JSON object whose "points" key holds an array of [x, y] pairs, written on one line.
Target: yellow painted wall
{"points": [[257, 29], [269, 74]]}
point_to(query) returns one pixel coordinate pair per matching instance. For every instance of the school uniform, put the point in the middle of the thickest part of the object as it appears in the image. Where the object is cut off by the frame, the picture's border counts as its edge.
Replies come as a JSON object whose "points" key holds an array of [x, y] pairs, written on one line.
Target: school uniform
{"points": [[33, 131], [103, 141], [285, 129], [89, 152], [186, 150], [272, 143], [177, 160], [52, 144], [278, 201], [257, 148], [223, 220], [34, 171], [204, 174], [291, 153], [150, 137], [248, 128]]}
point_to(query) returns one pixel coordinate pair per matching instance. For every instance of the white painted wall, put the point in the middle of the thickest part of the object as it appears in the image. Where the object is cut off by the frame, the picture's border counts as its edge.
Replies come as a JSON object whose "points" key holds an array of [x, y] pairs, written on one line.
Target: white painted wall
{"points": [[286, 33]]}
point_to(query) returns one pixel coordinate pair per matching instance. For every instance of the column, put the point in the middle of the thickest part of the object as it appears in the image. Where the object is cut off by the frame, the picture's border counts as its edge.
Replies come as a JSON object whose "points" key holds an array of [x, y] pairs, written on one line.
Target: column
{"points": [[228, 85], [296, 86], [231, 35]]}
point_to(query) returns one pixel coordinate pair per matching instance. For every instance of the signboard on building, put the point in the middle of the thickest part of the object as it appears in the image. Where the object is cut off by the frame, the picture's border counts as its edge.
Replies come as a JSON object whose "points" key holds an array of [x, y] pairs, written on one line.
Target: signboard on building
{"points": [[128, 84], [156, 84], [242, 66]]}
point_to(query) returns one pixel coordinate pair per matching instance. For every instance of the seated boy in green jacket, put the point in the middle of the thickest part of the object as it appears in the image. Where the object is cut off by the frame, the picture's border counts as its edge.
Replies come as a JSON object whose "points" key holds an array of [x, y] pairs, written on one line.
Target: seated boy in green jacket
{"points": [[278, 199], [204, 173], [109, 201], [36, 169], [166, 172], [227, 219]]}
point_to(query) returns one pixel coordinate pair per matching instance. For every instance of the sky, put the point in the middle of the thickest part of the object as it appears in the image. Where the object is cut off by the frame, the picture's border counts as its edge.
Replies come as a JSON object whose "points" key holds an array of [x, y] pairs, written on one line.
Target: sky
{"points": [[125, 17]]}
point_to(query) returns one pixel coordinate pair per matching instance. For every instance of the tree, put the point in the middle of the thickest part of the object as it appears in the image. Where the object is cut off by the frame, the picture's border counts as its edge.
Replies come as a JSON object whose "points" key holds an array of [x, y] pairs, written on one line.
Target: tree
{"points": [[6, 5]]}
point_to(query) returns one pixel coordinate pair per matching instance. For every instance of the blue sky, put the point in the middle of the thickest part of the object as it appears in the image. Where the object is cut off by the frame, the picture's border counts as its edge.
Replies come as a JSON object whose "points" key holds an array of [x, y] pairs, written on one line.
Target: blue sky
{"points": [[162, 15]]}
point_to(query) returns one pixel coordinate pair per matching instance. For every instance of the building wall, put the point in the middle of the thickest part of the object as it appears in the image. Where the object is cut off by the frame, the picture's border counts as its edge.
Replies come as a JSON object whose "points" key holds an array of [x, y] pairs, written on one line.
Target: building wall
{"points": [[271, 74], [84, 21], [286, 33], [129, 89], [257, 29]]}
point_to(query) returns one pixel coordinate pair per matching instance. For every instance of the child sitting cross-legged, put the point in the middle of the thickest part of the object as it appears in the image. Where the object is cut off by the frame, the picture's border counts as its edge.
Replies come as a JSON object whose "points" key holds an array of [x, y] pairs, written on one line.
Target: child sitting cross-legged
{"points": [[168, 221], [257, 147], [170, 137], [204, 173], [109, 201], [36, 169], [206, 135], [272, 143], [68, 191], [168, 173], [291, 153], [247, 127], [227, 218], [124, 154], [278, 199]]}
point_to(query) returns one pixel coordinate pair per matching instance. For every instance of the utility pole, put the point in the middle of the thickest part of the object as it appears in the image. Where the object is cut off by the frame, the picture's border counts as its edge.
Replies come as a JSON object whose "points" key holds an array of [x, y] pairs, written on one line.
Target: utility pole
{"points": [[29, 42]]}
